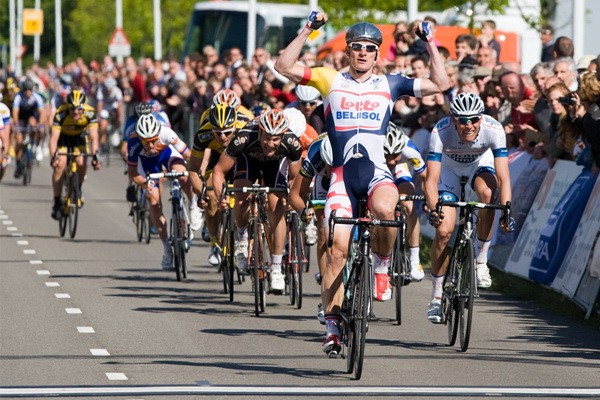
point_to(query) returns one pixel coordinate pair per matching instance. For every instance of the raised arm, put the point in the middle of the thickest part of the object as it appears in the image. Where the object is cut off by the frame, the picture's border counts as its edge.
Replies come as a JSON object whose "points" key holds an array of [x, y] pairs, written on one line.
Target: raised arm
{"points": [[438, 79], [287, 63]]}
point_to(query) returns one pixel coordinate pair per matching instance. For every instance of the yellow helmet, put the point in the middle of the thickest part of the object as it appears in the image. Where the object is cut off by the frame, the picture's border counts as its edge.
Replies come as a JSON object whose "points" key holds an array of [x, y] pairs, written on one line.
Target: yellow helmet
{"points": [[76, 98], [222, 116]]}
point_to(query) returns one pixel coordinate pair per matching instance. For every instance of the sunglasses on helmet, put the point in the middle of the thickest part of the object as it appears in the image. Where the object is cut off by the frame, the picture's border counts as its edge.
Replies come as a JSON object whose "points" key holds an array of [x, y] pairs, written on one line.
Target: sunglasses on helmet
{"points": [[370, 48]]}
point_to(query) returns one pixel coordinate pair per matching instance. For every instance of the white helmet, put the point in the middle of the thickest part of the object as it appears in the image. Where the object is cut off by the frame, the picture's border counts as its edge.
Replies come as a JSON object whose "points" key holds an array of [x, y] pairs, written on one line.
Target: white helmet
{"points": [[296, 121], [395, 140], [147, 126], [466, 104], [326, 151], [307, 93]]}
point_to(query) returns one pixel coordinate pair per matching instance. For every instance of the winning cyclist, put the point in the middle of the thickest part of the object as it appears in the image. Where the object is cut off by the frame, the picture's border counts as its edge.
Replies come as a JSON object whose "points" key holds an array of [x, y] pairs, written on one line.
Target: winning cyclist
{"points": [[152, 148], [70, 122], [466, 143], [399, 152], [264, 147], [209, 142], [358, 106]]}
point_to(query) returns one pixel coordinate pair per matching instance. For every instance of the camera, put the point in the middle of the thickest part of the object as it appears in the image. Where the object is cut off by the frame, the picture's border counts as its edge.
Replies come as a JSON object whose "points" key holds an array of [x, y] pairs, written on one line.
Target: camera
{"points": [[567, 100]]}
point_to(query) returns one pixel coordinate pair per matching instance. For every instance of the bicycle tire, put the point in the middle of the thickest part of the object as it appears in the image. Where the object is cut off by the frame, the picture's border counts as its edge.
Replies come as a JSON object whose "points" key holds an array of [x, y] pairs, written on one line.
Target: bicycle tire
{"points": [[450, 300], [297, 260], [62, 222], [175, 235], [139, 217], [74, 197], [230, 256], [224, 243], [264, 268], [287, 266], [27, 162], [148, 223], [398, 271], [467, 293], [362, 314], [183, 247], [255, 267]]}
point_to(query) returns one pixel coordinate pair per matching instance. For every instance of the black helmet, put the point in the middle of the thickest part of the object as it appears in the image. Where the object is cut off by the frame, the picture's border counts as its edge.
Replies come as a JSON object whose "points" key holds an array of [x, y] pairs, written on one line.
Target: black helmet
{"points": [[143, 108], [27, 84], [364, 31], [76, 99]]}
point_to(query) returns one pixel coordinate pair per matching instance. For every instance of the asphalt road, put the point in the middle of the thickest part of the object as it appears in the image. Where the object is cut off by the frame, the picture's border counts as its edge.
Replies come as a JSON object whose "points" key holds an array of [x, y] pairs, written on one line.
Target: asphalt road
{"points": [[96, 316]]}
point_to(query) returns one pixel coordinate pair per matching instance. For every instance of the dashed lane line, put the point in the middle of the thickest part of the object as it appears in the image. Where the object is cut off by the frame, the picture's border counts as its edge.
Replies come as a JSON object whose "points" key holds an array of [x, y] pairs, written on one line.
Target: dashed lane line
{"points": [[52, 284], [85, 329], [73, 311], [115, 376], [100, 352], [62, 295], [42, 272]]}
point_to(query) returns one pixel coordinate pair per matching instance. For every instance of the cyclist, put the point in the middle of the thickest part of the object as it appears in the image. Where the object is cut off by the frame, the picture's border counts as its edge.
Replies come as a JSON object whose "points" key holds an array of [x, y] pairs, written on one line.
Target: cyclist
{"points": [[357, 106], [209, 142], [263, 148], [466, 143], [28, 110], [399, 152], [68, 130], [152, 148], [316, 166]]}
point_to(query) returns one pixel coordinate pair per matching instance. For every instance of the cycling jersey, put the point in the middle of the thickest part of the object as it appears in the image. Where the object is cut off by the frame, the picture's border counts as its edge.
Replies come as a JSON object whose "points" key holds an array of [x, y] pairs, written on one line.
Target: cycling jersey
{"points": [[68, 126], [356, 118], [410, 156], [110, 98], [250, 161], [4, 113], [28, 106], [460, 158], [313, 166]]}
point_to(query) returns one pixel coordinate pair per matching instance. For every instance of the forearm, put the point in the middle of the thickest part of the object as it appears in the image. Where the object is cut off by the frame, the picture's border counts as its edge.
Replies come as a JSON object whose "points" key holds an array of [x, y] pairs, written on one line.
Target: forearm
{"points": [[438, 71]]}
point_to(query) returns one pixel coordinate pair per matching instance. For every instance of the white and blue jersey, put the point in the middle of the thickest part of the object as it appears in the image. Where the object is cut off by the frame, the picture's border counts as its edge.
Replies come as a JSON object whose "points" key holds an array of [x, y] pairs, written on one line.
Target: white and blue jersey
{"points": [[313, 166], [132, 121]]}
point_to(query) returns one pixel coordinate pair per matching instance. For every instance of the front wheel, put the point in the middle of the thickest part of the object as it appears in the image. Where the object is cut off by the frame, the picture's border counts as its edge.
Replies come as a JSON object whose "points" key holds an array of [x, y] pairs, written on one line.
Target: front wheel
{"points": [[175, 244], [467, 294], [73, 202]]}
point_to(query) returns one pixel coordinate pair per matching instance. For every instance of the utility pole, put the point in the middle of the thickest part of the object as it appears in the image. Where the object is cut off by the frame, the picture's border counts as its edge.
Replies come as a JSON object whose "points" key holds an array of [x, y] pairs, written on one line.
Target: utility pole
{"points": [[157, 31], [58, 32]]}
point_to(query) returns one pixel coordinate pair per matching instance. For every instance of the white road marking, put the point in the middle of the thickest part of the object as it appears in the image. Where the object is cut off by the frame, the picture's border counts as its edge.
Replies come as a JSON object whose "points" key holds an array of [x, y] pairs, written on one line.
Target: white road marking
{"points": [[85, 329], [52, 284], [42, 272], [297, 390], [29, 251], [12, 228], [22, 242], [7, 222], [3, 216], [116, 376], [35, 262], [62, 295], [99, 352], [16, 234], [73, 311]]}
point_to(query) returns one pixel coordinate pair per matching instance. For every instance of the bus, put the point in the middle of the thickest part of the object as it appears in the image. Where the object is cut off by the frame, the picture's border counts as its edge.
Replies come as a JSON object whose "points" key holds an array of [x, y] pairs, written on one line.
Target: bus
{"points": [[224, 24]]}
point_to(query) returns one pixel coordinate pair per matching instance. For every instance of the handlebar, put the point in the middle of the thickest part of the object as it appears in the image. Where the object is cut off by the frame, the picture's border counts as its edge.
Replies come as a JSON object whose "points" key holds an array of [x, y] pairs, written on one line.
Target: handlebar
{"points": [[256, 189], [169, 175], [412, 197], [364, 221], [474, 204]]}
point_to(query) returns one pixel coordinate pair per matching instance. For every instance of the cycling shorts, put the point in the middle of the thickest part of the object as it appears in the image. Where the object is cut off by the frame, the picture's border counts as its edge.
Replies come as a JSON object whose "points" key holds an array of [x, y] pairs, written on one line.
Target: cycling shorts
{"points": [[449, 185], [274, 172]]}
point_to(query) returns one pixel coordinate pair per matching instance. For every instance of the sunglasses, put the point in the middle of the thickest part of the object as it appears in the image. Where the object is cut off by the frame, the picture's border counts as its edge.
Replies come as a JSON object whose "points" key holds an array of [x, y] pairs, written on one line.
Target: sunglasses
{"points": [[466, 120], [308, 103], [79, 108], [147, 141], [224, 132], [370, 48]]}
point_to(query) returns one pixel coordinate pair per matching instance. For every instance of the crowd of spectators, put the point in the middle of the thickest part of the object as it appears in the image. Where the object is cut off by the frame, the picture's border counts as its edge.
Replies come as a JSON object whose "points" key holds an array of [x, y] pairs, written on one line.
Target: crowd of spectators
{"points": [[551, 112]]}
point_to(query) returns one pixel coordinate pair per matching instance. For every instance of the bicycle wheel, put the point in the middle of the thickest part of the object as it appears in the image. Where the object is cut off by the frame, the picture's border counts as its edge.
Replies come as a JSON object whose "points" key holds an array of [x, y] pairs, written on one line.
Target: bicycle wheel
{"points": [[147, 235], [230, 255], [256, 287], [175, 238], [62, 222], [362, 317], [263, 271], [467, 293], [140, 220], [27, 162], [298, 258], [224, 243], [450, 301], [74, 197], [399, 267]]}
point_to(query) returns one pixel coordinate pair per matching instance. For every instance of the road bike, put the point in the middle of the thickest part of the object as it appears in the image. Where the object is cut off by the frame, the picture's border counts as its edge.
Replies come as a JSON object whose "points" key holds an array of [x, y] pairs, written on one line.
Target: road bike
{"points": [[259, 243], [357, 304], [400, 262], [72, 198], [459, 284], [24, 165], [179, 224], [296, 260], [226, 234], [141, 215]]}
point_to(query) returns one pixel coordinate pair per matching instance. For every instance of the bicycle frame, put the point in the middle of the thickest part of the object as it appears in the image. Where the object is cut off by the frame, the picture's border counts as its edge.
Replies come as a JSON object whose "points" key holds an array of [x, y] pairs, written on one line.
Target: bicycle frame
{"points": [[459, 284], [357, 305], [179, 226], [72, 192]]}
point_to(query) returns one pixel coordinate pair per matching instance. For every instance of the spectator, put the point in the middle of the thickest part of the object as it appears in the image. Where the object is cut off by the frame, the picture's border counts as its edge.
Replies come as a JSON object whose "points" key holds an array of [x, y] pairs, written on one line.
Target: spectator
{"points": [[542, 77], [587, 63], [487, 57], [588, 113], [521, 101], [487, 37], [547, 38], [482, 76], [420, 67], [563, 133], [563, 47], [465, 49], [211, 55], [400, 44], [565, 69]]}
